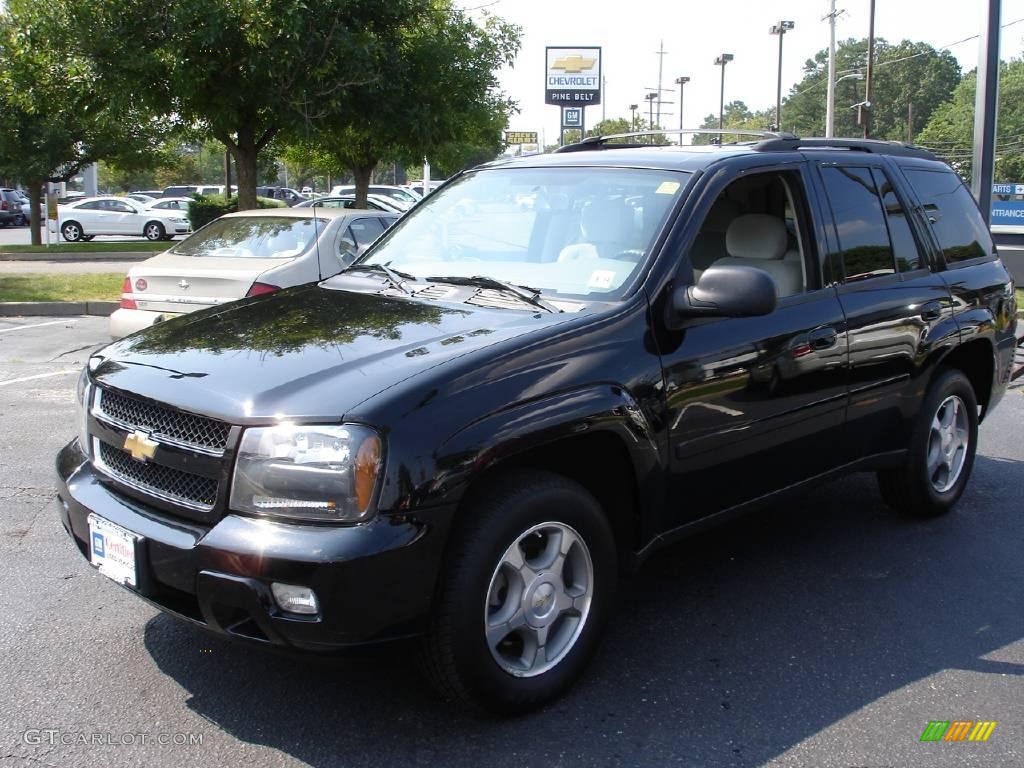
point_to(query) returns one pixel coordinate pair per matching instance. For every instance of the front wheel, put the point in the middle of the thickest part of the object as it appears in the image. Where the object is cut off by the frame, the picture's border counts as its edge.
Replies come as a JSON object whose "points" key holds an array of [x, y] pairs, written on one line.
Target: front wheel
{"points": [[154, 231], [72, 231], [527, 588], [941, 453]]}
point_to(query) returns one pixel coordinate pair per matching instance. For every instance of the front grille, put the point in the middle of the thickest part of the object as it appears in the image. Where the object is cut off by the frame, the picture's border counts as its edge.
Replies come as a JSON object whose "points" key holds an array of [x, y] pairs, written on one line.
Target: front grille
{"points": [[173, 485], [163, 424]]}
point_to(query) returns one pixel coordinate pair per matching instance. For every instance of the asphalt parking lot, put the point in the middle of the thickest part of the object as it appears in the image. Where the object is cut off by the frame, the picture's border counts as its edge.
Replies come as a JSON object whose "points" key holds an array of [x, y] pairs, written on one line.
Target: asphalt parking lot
{"points": [[823, 632]]}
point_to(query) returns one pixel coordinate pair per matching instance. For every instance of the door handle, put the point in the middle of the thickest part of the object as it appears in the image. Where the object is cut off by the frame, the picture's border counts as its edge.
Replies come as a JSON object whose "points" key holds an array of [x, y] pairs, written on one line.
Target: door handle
{"points": [[931, 311], [823, 338]]}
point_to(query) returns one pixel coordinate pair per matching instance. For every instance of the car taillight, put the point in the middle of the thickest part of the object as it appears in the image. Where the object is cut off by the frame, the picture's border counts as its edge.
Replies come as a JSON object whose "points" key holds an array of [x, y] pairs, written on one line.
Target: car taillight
{"points": [[3, 205], [258, 289], [127, 299]]}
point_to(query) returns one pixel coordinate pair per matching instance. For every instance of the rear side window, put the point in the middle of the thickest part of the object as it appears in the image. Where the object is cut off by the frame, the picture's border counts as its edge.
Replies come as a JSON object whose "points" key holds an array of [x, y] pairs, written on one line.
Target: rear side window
{"points": [[865, 248], [908, 258], [953, 213]]}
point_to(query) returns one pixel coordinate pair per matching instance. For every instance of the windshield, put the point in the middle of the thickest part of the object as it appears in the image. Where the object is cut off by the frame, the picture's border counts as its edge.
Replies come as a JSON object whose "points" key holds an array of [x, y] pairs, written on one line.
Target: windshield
{"points": [[581, 232], [260, 237], [398, 194]]}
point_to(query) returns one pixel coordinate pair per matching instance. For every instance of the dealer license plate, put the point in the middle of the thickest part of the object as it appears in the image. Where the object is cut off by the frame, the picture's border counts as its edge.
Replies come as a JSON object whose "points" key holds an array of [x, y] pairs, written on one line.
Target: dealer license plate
{"points": [[112, 550]]}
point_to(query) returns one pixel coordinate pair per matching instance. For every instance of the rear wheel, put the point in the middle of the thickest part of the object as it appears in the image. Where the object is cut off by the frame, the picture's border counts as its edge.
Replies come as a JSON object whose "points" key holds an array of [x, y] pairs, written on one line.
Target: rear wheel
{"points": [[526, 591], [941, 453], [72, 231], [154, 231]]}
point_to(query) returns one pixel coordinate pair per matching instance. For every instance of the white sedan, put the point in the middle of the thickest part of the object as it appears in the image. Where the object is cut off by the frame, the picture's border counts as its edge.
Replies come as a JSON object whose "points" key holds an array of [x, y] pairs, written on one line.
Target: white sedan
{"points": [[84, 219], [245, 254]]}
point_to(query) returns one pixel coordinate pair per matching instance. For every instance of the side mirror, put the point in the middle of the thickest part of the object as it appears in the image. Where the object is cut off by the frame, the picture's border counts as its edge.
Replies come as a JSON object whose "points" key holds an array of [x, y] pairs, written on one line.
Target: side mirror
{"points": [[724, 291]]}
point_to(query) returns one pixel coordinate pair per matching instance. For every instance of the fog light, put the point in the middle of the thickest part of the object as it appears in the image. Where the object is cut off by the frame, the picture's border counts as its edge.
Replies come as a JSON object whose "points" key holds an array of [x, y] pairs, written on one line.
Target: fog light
{"points": [[295, 599]]}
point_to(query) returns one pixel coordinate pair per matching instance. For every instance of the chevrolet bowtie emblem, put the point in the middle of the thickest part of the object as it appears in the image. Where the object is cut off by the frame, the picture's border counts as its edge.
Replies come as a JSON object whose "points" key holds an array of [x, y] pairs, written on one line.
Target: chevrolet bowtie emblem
{"points": [[140, 446], [573, 65]]}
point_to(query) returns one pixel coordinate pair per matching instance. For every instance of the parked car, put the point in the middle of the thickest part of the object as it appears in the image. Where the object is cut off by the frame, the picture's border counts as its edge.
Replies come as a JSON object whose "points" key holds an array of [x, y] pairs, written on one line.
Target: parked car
{"points": [[11, 213], [180, 190], [244, 254], [373, 202], [400, 195], [470, 432], [422, 190], [142, 198], [84, 219]]}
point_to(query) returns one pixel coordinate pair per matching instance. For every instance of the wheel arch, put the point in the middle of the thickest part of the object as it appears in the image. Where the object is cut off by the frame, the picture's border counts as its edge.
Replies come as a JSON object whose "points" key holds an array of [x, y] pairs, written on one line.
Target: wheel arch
{"points": [[598, 437], [977, 360]]}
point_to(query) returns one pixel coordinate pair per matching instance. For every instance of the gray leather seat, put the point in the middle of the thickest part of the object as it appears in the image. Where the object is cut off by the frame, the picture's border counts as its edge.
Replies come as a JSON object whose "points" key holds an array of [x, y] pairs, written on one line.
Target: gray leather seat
{"points": [[758, 240], [607, 228]]}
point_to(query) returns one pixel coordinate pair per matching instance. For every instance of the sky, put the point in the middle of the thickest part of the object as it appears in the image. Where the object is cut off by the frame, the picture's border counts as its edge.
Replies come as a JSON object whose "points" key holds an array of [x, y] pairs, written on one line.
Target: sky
{"points": [[694, 33]]}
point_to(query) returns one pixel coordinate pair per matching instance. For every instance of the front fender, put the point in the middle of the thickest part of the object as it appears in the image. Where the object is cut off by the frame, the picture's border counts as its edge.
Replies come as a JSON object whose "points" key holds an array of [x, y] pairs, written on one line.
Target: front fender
{"points": [[600, 408]]}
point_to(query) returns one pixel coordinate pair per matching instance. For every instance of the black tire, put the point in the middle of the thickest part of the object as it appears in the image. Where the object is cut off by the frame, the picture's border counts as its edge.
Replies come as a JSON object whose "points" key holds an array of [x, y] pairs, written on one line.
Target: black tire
{"points": [[455, 655], [72, 231], [154, 231], [911, 489], [87, 238], [20, 220]]}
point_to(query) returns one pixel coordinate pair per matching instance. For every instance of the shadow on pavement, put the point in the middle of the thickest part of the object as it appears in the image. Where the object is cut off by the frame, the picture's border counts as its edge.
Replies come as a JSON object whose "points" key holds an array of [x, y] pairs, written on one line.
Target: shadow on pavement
{"points": [[727, 649]]}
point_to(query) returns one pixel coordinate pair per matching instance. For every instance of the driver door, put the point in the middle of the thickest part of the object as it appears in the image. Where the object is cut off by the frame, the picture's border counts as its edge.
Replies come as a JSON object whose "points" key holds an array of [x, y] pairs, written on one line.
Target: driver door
{"points": [[756, 404]]}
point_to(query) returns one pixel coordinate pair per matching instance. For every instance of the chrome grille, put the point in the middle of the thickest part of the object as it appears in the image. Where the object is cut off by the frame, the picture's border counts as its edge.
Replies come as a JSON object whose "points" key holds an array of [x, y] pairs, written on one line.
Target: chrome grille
{"points": [[194, 491], [163, 424]]}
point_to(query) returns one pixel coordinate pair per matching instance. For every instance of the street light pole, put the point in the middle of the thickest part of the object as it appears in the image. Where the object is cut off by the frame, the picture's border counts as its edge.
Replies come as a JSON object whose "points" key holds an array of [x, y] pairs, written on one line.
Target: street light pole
{"points": [[780, 29], [632, 109], [865, 112], [650, 112], [721, 61], [681, 81]]}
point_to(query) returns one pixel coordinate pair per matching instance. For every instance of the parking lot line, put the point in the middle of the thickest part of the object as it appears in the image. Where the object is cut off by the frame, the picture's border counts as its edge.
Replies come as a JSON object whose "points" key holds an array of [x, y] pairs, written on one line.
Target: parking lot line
{"points": [[38, 325], [38, 376]]}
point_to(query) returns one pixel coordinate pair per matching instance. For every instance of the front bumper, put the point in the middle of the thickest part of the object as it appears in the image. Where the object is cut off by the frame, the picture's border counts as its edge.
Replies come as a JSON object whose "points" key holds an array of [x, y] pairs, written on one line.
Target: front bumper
{"points": [[375, 581]]}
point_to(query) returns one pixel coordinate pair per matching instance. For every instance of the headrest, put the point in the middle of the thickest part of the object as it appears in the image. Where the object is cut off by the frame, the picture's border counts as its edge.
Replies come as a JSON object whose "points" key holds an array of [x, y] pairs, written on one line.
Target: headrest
{"points": [[606, 221], [756, 236]]}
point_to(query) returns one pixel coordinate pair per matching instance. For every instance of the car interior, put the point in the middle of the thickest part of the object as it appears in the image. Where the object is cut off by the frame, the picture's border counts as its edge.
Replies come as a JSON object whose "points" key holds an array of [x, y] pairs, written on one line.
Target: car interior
{"points": [[754, 223]]}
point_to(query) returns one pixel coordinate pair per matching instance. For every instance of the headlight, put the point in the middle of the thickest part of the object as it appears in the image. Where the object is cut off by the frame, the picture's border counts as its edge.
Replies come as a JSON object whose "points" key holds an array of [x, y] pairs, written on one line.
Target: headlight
{"points": [[308, 472], [83, 393]]}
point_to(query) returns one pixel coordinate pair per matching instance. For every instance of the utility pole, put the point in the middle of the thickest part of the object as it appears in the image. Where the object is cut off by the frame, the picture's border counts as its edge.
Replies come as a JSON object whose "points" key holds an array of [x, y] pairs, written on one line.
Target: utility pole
{"points": [[780, 29], [661, 60], [865, 110], [681, 81], [830, 108], [986, 103]]}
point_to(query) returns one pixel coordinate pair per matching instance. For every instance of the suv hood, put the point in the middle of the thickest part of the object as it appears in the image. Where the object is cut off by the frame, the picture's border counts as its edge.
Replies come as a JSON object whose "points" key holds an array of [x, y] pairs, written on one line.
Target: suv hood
{"points": [[305, 352]]}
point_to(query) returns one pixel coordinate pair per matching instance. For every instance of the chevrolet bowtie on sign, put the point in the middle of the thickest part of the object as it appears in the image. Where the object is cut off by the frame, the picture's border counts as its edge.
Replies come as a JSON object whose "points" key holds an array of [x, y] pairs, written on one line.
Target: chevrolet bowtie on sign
{"points": [[573, 76]]}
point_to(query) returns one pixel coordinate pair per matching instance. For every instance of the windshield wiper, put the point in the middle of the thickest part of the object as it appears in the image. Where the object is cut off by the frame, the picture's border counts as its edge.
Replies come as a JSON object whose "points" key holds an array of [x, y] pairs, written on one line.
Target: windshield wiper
{"points": [[530, 295], [394, 276]]}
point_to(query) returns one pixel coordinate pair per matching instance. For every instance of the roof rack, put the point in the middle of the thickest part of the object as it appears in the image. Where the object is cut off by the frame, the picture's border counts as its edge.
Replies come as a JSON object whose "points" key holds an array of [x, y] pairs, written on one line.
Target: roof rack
{"points": [[601, 142], [873, 146]]}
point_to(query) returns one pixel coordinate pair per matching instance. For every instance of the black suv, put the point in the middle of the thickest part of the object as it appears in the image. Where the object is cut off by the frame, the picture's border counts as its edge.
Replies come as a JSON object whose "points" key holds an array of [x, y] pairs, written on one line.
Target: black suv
{"points": [[546, 370]]}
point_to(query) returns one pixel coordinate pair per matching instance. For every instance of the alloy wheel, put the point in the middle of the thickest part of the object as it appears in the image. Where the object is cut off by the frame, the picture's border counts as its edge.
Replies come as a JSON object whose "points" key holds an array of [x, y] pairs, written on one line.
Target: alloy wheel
{"points": [[948, 441]]}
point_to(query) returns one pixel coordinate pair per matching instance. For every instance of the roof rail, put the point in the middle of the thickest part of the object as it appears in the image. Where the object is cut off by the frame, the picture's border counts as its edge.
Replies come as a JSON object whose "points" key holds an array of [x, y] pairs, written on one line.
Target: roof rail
{"points": [[873, 146], [601, 142]]}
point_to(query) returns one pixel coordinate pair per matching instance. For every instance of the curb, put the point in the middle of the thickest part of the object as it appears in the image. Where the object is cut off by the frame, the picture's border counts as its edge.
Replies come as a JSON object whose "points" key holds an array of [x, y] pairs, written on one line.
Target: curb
{"points": [[57, 308], [72, 257]]}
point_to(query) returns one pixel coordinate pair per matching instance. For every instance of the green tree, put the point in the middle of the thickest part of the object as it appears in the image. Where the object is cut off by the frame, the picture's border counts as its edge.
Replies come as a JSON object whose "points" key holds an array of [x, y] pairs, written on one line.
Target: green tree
{"points": [[245, 71], [736, 115], [910, 78], [950, 131], [58, 114], [436, 96]]}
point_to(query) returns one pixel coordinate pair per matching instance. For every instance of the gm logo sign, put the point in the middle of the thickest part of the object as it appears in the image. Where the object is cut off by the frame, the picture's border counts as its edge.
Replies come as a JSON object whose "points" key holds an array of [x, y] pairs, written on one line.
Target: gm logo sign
{"points": [[572, 117], [97, 545], [958, 730]]}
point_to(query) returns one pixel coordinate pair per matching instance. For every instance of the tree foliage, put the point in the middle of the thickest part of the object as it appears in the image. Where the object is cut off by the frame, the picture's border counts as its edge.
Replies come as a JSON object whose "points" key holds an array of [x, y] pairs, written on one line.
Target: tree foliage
{"points": [[59, 113], [905, 74], [736, 115], [950, 131]]}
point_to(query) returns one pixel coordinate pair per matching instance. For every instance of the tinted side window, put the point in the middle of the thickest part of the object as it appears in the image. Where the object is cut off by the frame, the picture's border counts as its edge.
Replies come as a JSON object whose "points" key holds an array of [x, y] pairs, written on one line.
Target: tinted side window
{"points": [[863, 237], [953, 214], [366, 231], [908, 257]]}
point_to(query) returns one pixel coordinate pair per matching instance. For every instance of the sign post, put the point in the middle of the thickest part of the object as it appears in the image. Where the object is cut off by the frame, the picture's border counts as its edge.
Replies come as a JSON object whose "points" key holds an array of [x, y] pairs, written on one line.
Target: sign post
{"points": [[572, 81]]}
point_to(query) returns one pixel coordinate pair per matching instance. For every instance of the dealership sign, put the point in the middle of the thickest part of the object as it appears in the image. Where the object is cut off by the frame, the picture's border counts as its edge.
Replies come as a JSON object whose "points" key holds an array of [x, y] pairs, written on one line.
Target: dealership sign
{"points": [[573, 76]]}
